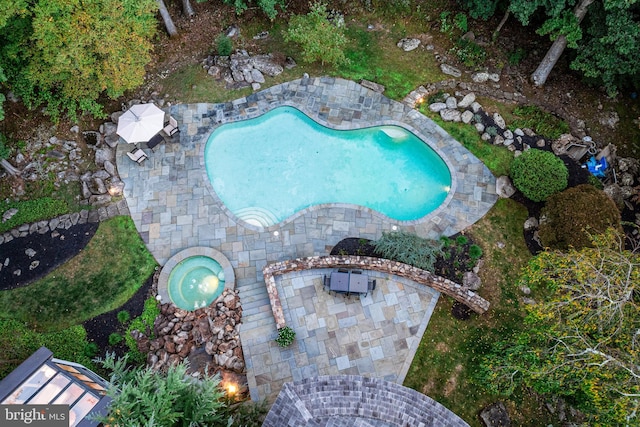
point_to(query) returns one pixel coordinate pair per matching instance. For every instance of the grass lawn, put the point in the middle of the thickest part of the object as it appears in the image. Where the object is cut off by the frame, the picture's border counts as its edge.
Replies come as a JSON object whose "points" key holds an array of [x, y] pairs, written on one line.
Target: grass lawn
{"points": [[101, 278], [450, 350]]}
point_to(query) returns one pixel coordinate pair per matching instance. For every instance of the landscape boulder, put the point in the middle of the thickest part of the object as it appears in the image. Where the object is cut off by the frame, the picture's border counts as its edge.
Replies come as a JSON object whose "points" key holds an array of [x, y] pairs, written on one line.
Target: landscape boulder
{"points": [[408, 44]]}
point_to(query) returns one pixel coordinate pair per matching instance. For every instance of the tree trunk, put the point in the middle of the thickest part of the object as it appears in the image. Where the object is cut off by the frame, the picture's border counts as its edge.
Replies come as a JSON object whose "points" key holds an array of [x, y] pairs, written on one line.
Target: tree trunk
{"points": [[168, 22], [187, 9], [540, 75], [494, 36], [9, 168]]}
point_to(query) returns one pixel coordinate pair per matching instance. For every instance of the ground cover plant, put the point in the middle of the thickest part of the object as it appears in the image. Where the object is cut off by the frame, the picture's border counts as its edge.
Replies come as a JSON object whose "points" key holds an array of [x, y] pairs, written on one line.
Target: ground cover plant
{"points": [[543, 123], [101, 278], [18, 342]]}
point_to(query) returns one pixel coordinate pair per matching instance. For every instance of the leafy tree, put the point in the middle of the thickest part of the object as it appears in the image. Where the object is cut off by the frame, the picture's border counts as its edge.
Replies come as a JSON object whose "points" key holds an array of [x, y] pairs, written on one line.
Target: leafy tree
{"points": [[572, 216], [66, 54], [142, 396], [539, 174], [320, 39], [581, 339]]}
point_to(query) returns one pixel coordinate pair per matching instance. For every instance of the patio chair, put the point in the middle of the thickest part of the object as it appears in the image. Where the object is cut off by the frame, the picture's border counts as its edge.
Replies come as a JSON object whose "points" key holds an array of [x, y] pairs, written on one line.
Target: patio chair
{"points": [[171, 128], [371, 286], [137, 155], [327, 283]]}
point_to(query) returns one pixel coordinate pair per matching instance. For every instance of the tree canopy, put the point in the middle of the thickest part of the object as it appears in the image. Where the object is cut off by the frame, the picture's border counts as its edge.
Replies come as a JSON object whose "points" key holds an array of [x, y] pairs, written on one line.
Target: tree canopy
{"points": [[66, 54], [605, 46], [320, 39], [581, 339], [142, 396]]}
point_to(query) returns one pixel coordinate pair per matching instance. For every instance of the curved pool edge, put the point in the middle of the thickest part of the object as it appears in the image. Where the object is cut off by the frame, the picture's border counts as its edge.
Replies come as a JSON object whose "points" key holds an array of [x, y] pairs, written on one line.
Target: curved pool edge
{"points": [[158, 191], [416, 130], [163, 278]]}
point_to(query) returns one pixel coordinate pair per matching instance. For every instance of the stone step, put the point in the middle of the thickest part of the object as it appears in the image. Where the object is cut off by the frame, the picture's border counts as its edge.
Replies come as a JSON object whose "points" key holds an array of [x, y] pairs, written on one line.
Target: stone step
{"points": [[248, 307], [257, 316], [253, 294], [259, 331]]}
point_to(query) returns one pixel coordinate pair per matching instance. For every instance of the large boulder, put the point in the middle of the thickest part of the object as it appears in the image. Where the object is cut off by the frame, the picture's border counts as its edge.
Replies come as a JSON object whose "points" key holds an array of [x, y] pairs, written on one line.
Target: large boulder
{"points": [[504, 187], [449, 115], [450, 71], [408, 44], [266, 65], [495, 415]]}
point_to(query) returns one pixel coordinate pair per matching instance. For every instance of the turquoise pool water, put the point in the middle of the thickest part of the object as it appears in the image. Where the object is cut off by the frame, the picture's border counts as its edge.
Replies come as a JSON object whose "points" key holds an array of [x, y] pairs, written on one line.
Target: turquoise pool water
{"points": [[195, 282], [268, 168]]}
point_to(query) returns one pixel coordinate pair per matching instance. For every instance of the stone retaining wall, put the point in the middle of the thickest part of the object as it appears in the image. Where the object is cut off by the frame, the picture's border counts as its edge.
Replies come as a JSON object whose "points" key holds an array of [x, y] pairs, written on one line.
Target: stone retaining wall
{"points": [[66, 221], [352, 400], [456, 291]]}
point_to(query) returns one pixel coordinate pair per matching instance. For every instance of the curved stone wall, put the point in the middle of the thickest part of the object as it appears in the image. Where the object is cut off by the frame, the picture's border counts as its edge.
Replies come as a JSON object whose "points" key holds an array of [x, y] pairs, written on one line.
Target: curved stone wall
{"points": [[440, 284], [352, 400]]}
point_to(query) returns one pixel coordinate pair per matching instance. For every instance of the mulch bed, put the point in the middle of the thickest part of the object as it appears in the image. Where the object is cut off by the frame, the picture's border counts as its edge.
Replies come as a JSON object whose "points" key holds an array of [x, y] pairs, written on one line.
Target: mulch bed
{"points": [[52, 250]]}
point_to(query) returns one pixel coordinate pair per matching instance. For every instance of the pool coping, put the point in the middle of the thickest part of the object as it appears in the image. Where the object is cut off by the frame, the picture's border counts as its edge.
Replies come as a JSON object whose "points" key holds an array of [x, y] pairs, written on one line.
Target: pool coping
{"points": [[165, 273], [272, 106]]}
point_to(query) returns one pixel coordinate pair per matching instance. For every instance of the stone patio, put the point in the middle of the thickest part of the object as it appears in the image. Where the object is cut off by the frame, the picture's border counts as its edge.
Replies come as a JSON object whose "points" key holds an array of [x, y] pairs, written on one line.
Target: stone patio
{"points": [[174, 207]]}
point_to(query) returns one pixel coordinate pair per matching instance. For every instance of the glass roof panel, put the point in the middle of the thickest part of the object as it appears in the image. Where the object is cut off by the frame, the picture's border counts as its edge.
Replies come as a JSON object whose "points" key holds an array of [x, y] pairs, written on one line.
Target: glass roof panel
{"points": [[30, 386], [83, 406], [70, 395], [50, 391]]}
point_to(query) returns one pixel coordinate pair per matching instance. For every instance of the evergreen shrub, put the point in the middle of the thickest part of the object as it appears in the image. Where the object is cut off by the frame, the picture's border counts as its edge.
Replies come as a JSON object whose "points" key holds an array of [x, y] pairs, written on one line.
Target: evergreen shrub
{"points": [[570, 217], [539, 174], [409, 249]]}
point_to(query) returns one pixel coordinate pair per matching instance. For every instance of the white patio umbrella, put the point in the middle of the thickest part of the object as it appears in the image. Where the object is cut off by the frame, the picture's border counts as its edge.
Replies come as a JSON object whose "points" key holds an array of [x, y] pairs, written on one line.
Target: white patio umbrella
{"points": [[140, 123]]}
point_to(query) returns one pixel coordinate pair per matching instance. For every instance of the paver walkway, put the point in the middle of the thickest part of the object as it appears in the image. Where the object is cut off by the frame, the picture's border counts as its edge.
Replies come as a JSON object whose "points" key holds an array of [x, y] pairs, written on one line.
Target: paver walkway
{"points": [[174, 206]]}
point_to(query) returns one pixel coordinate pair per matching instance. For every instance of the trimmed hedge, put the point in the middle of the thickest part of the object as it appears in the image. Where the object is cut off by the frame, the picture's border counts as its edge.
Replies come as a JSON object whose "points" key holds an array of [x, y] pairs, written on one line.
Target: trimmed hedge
{"points": [[539, 174], [570, 217]]}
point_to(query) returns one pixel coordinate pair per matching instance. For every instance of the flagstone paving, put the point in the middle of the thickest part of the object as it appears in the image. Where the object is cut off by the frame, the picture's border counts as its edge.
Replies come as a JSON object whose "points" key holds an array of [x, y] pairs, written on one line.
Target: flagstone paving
{"points": [[174, 207]]}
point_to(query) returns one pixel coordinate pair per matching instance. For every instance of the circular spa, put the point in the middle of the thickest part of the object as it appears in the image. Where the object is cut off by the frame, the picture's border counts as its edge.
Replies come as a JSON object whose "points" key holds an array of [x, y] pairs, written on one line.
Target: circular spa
{"points": [[195, 277], [268, 168]]}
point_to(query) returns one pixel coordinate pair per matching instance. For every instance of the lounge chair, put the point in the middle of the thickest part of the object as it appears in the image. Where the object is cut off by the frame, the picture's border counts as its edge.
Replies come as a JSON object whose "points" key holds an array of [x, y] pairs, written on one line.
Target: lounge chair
{"points": [[137, 155], [171, 128]]}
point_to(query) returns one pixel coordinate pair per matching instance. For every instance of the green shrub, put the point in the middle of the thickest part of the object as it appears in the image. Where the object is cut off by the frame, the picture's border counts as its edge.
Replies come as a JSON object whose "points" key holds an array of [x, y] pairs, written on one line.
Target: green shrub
{"points": [[91, 350], [4, 150], [595, 182], [515, 57], [143, 323], [143, 396], [539, 174], [469, 53], [461, 240], [409, 249], [115, 338], [224, 45], [17, 342], [546, 124], [569, 218], [123, 317], [319, 39], [286, 335], [475, 252]]}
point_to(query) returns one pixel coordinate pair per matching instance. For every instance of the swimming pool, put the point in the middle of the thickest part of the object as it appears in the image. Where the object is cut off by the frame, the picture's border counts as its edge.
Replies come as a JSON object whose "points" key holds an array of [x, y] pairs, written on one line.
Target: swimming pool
{"points": [[268, 168]]}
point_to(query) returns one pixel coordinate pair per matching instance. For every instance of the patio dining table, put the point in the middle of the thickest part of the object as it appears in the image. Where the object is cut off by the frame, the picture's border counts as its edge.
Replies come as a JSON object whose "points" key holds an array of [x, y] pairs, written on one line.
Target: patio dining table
{"points": [[348, 282]]}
